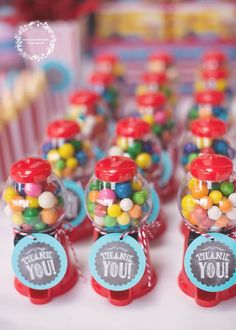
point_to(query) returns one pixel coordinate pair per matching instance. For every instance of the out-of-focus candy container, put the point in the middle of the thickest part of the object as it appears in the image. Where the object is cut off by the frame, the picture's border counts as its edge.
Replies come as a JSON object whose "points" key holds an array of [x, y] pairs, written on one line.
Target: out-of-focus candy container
{"points": [[154, 109], [135, 139], [88, 109], [72, 160], [217, 79], [214, 60], [119, 203], [206, 136], [162, 62], [207, 203], [109, 63], [209, 104], [104, 84], [157, 82], [35, 201]]}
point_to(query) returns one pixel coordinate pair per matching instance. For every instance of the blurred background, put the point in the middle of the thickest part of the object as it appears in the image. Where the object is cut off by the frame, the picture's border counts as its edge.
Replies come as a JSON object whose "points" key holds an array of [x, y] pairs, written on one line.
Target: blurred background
{"points": [[83, 29]]}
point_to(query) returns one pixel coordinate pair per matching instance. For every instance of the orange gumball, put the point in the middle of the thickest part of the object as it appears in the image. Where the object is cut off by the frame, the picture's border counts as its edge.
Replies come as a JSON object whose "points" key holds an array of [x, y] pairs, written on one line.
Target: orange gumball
{"points": [[135, 212], [225, 205], [49, 216], [222, 221], [193, 219], [199, 190], [93, 196], [206, 202], [18, 204]]}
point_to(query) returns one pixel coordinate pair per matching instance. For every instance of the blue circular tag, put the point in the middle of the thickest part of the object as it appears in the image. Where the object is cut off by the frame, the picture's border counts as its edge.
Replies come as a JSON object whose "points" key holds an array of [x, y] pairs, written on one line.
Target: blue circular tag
{"points": [[39, 261], [59, 75], [117, 264], [210, 264], [155, 207], [76, 212]]}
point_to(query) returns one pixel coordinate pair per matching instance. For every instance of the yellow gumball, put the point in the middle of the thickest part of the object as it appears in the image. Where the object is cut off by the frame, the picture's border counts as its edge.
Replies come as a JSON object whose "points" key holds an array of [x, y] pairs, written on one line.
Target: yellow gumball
{"points": [[123, 219], [216, 196], [188, 203], [122, 143], [192, 182], [9, 193], [17, 219], [72, 163], [32, 202], [149, 119], [221, 85], [185, 214], [66, 150], [53, 156], [144, 160], [136, 185], [114, 210]]}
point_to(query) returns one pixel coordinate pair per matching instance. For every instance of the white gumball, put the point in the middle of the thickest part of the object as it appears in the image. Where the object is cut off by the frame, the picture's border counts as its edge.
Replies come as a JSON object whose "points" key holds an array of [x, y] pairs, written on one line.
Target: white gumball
{"points": [[99, 221], [214, 212], [47, 200], [115, 151], [126, 204], [231, 214], [232, 198]]}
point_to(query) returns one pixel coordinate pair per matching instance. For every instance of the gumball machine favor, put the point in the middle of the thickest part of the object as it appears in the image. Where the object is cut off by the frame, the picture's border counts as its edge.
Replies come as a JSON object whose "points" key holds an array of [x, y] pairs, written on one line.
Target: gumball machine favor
{"points": [[162, 62], [209, 104], [104, 84], [206, 136], [154, 109], [91, 113], [157, 82], [134, 139], [35, 201], [109, 63], [207, 203], [119, 203], [72, 160]]}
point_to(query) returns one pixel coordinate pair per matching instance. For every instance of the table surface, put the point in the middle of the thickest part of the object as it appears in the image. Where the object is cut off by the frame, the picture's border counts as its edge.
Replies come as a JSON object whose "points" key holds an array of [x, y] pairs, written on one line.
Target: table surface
{"points": [[166, 307]]}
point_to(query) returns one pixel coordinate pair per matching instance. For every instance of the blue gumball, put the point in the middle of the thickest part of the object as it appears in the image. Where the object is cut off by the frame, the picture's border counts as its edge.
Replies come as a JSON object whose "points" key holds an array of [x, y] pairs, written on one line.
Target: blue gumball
{"points": [[123, 190], [47, 147], [221, 147], [190, 148], [81, 157], [147, 147]]}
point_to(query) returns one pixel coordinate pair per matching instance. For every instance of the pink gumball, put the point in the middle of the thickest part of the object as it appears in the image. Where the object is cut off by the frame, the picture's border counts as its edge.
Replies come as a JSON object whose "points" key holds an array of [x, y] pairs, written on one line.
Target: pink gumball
{"points": [[100, 210], [160, 117], [33, 189], [206, 223], [200, 213], [106, 197]]}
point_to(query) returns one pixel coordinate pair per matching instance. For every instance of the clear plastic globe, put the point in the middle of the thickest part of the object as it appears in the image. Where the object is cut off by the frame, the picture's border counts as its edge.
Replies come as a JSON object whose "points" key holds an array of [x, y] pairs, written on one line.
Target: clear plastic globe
{"points": [[118, 199], [34, 199]]}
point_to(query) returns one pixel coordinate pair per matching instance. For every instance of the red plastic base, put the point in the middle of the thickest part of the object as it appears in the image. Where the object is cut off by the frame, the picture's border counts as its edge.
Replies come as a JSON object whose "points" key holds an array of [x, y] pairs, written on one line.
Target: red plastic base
{"points": [[122, 298], [169, 191], [155, 231], [44, 296], [202, 298], [83, 231]]}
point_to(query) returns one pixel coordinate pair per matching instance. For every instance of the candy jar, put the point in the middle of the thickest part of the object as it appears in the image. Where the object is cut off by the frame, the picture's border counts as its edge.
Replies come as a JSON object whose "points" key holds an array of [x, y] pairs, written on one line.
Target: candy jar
{"points": [[157, 82], [109, 63], [119, 203], [72, 160], [209, 104], [162, 62], [104, 84], [91, 113], [154, 109], [205, 136], [213, 60], [135, 139], [207, 203], [214, 80], [35, 201]]}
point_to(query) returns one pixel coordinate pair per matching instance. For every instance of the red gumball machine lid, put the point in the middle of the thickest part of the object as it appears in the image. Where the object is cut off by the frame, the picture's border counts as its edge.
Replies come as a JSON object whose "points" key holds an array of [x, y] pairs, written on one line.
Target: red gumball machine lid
{"points": [[209, 128], [132, 128], [84, 97], [164, 57], [110, 58], [211, 167], [101, 78], [154, 77], [63, 129], [115, 169], [151, 99], [30, 170], [214, 56], [214, 74], [210, 97]]}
